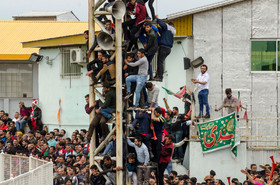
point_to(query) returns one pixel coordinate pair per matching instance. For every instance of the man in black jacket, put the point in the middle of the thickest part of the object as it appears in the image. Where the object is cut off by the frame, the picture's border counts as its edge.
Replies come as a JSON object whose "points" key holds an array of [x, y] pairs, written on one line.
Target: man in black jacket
{"points": [[62, 178], [96, 177], [151, 47], [95, 66], [167, 32], [34, 121]]}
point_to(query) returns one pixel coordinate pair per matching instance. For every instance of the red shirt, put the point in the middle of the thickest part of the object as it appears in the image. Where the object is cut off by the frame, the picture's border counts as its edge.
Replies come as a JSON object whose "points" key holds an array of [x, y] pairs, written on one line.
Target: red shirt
{"points": [[4, 127]]}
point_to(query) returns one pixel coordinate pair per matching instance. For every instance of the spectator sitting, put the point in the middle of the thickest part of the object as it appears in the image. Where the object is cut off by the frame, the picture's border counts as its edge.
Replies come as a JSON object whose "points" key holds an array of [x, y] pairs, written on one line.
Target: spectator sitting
{"points": [[96, 177], [109, 106], [2, 125], [107, 73], [16, 117], [6, 119]]}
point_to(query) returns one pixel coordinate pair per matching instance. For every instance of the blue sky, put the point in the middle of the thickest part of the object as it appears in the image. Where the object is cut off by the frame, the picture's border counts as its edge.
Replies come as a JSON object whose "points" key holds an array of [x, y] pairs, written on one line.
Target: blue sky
{"points": [[10, 8]]}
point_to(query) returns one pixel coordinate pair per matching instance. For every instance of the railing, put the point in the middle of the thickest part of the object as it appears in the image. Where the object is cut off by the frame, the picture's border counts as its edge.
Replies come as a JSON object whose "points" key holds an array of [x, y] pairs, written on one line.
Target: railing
{"points": [[19, 170]]}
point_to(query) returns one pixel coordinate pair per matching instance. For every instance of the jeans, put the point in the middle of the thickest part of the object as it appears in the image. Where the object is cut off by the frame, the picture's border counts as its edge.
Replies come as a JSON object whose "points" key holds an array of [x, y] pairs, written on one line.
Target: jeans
{"points": [[134, 177], [150, 58], [20, 125], [169, 167], [140, 82], [203, 100], [107, 112], [154, 106], [178, 152], [163, 52], [108, 147]]}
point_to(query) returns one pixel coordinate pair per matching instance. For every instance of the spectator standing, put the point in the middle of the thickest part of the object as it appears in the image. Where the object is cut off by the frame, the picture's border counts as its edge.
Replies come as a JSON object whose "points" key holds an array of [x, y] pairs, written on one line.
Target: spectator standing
{"points": [[151, 47], [153, 92], [167, 32], [140, 78], [165, 156], [142, 159], [203, 81], [158, 122], [230, 102], [131, 168]]}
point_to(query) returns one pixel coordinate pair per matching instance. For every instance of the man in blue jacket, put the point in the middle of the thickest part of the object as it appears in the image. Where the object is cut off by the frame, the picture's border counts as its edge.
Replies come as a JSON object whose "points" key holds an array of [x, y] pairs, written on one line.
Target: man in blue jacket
{"points": [[167, 32]]}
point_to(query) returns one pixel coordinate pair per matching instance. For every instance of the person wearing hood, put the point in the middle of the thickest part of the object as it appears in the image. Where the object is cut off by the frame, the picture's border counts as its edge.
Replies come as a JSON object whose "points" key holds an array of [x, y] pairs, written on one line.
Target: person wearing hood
{"points": [[167, 32]]}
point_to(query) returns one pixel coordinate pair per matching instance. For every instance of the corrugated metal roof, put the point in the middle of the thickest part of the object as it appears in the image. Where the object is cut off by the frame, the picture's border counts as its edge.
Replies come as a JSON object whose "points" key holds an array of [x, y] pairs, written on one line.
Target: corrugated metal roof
{"points": [[42, 13], [13, 33], [202, 9]]}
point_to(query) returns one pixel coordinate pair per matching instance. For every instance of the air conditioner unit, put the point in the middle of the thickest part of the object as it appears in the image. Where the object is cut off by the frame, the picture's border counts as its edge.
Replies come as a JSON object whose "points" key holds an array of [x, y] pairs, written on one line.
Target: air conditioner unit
{"points": [[76, 56]]}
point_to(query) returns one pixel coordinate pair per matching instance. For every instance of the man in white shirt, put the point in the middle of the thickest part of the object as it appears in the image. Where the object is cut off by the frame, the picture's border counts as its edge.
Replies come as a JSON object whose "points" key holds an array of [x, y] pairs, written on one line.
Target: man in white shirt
{"points": [[203, 80]]}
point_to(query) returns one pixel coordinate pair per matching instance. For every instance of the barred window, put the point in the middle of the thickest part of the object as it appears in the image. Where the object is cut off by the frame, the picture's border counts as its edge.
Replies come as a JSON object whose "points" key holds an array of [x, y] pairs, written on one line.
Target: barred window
{"points": [[16, 81], [69, 69]]}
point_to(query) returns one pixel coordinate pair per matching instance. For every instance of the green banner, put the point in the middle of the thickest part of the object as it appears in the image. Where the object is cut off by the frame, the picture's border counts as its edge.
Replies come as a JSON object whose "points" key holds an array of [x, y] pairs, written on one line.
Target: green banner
{"points": [[220, 133]]}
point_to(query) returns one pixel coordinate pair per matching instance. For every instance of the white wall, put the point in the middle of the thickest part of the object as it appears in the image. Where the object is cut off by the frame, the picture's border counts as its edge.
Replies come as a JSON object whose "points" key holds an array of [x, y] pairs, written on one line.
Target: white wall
{"points": [[220, 161], [53, 87], [175, 76], [222, 37]]}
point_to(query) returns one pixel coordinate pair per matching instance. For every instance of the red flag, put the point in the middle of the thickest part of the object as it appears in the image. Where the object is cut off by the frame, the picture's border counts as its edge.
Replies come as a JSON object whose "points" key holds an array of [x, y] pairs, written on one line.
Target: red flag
{"points": [[181, 93], [245, 115], [228, 178], [273, 167]]}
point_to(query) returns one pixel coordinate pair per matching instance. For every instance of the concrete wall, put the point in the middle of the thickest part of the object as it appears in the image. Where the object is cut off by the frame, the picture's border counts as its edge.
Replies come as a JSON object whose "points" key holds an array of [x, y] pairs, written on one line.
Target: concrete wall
{"points": [[220, 161], [175, 76], [222, 37], [71, 91]]}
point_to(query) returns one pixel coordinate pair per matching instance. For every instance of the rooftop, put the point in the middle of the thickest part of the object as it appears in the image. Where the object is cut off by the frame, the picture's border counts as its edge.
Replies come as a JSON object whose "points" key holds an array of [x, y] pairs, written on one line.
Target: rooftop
{"points": [[202, 9], [13, 33]]}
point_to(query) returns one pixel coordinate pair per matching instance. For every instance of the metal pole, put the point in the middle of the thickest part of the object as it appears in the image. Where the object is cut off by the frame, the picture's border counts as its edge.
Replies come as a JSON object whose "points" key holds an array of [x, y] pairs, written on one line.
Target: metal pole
{"points": [[119, 109], [91, 24]]}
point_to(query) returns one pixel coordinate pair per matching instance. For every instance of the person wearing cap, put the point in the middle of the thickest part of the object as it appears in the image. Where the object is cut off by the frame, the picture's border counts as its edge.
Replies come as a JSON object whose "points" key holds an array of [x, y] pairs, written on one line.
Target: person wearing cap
{"points": [[230, 102], [34, 122]]}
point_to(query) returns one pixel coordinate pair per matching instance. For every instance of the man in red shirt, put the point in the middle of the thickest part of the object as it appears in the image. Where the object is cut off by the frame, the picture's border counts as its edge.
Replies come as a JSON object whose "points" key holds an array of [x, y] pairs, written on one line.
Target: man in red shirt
{"points": [[165, 156], [2, 125]]}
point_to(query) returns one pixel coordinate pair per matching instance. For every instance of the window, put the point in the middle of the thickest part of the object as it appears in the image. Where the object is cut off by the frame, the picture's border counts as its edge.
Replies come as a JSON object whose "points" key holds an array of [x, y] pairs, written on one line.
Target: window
{"points": [[16, 81], [263, 56], [69, 69]]}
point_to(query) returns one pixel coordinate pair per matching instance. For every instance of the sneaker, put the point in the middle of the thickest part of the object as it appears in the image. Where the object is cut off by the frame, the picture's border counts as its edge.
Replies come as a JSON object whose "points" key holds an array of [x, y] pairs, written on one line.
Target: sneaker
{"points": [[130, 126], [199, 116], [128, 95], [134, 107], [111, 119], [158, 79], [206, 116]]}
